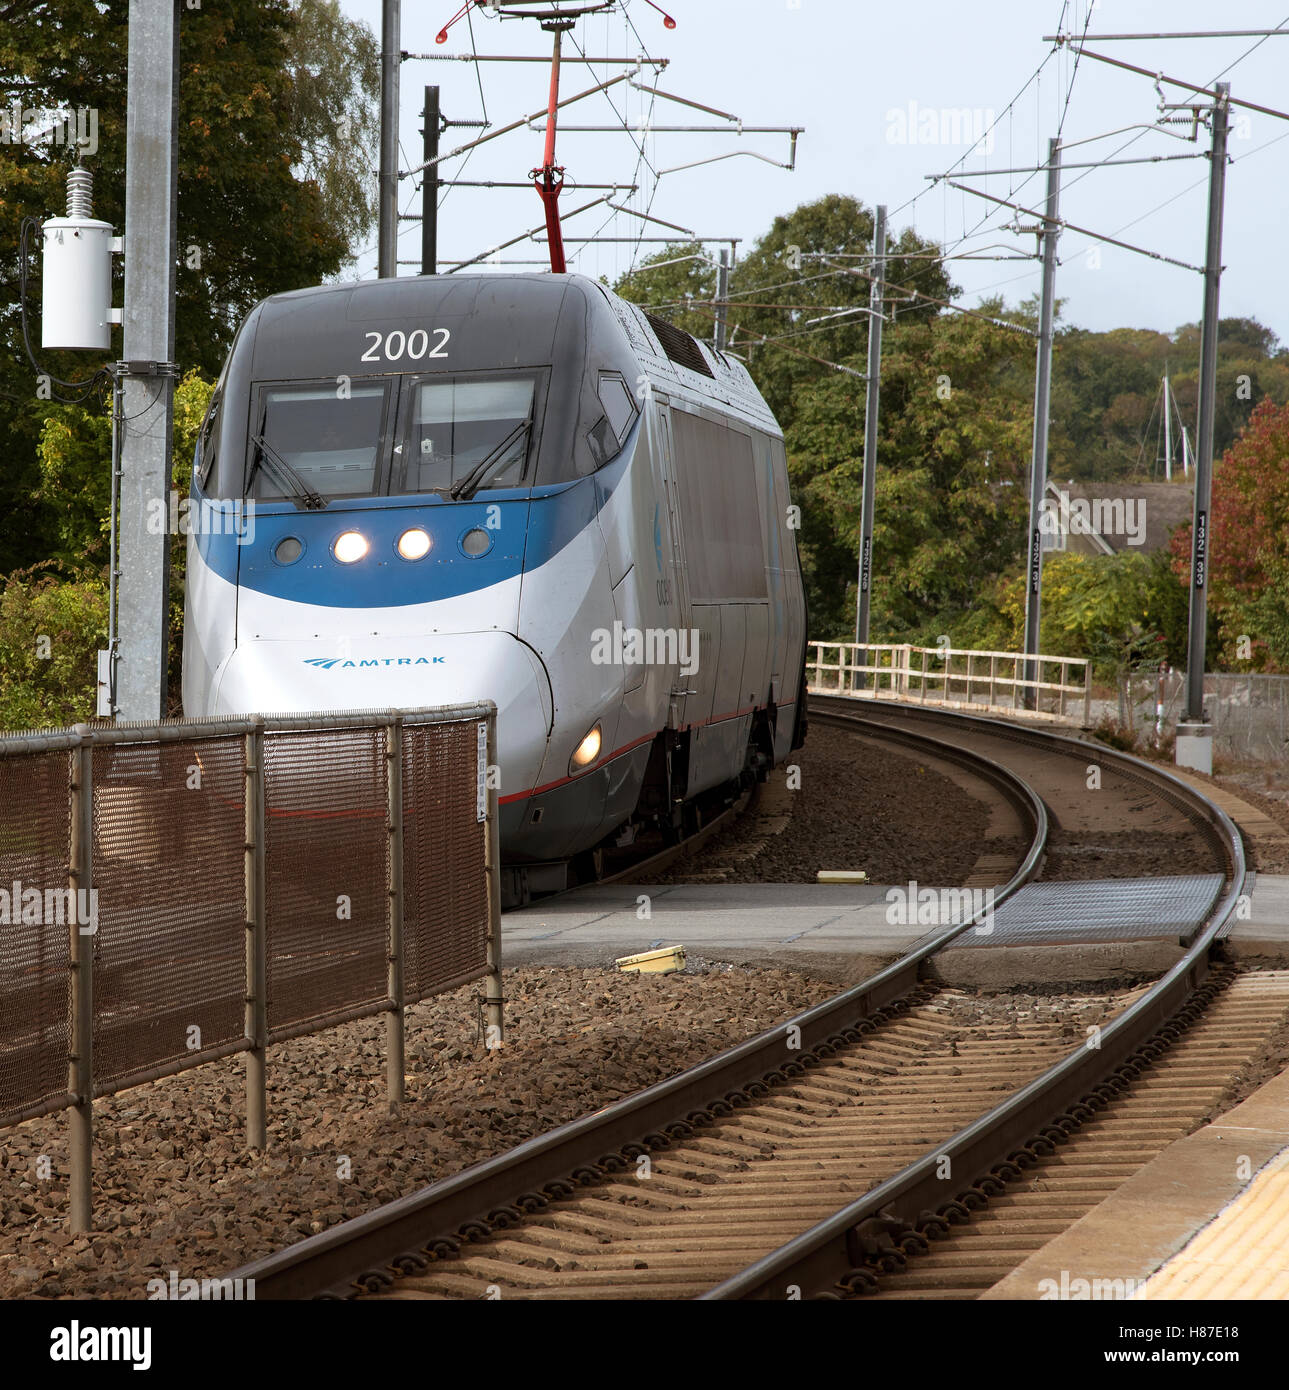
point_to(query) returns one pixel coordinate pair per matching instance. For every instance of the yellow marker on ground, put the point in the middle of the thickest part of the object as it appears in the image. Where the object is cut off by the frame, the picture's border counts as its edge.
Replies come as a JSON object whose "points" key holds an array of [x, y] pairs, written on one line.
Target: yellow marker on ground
{"points": [[661, 962], [841, 876]]}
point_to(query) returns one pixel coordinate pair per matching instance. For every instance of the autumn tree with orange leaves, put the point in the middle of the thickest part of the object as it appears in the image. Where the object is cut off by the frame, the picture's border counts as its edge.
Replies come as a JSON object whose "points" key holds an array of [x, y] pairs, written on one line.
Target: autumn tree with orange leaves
{"points": [[1249, 546]]}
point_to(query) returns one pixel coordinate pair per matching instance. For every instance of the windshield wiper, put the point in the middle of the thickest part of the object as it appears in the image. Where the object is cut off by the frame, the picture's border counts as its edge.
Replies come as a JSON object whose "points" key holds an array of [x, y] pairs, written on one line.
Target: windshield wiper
{"points": [[301, 492], [473, 480]]}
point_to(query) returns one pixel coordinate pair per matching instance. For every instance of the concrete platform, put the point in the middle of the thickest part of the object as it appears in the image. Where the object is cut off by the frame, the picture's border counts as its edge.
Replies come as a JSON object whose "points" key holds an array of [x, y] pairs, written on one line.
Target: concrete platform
{"points": [[841, 931], [1208, 1218]]}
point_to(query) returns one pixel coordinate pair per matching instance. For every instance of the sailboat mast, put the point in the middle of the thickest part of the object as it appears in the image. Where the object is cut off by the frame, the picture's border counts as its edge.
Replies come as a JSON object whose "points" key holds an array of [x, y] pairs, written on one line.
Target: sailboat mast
{"points": [[1168, 432]]}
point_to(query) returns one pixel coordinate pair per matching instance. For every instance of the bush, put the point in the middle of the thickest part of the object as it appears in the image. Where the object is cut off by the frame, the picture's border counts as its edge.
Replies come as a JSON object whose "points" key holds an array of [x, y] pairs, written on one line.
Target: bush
{"points": [[52, 623], [1109, 731]]}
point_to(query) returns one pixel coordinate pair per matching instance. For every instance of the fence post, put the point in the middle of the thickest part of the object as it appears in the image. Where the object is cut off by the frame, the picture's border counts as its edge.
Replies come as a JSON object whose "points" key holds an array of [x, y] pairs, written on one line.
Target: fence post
{"points": [[492, 847], [819, 663], [970, 655], [1016, 690], [993, 672], [80, 1064], [394, 1020], [256, 1018], [1064, 677], [1087, 694]]}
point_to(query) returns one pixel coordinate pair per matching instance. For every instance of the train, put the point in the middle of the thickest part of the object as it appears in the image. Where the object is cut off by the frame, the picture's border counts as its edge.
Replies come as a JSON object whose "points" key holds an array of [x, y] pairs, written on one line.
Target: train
{"points": [[515, 487]]}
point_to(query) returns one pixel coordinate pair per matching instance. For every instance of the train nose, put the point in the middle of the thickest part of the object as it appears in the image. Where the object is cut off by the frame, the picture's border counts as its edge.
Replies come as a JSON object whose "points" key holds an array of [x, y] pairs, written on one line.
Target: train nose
{"points": [[281, 676]]}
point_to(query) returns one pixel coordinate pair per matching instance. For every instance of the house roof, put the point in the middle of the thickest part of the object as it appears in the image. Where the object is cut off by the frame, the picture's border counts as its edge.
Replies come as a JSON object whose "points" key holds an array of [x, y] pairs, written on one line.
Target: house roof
{"points": [[1161, 506]]}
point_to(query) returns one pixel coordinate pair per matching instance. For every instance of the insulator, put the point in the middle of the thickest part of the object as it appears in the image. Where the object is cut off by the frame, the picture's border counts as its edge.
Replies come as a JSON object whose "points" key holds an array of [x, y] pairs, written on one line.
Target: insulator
{"points": [[80, 193]]}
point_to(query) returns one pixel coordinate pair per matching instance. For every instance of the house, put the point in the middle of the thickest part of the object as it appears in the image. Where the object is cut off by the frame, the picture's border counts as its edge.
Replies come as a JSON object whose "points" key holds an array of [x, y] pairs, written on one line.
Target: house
{"points": [[1105, 518]]}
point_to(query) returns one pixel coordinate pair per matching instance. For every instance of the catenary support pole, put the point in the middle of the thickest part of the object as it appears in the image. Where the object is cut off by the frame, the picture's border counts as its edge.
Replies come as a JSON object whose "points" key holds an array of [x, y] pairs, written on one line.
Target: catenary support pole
{"points": [[387, 235], [876, 301], [151, 176], [1042, 410], [722, 299], [1207, 406], [430, 184]]}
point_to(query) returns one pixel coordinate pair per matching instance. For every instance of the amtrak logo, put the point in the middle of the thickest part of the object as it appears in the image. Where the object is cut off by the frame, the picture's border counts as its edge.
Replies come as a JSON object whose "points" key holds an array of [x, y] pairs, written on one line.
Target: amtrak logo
{"points": [[325, 663]]}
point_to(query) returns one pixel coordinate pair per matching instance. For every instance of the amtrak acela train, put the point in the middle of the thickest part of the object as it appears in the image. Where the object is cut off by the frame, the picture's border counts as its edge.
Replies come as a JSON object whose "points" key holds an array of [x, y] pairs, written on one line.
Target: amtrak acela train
{"points": [[510, 487]]}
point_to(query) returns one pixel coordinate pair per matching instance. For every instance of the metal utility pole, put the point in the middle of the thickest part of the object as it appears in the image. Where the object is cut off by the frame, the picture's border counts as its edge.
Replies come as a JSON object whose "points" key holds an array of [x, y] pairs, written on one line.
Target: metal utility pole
{"points": [[387, 243], [430, 183], [1204, 428], [722, 299], [147, 409], [1042, 406], [875, 304]]}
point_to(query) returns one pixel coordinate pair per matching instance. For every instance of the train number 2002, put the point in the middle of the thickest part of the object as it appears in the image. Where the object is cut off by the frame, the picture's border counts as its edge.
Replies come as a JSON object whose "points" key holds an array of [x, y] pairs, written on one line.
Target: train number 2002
{"points": [[414, 345]]}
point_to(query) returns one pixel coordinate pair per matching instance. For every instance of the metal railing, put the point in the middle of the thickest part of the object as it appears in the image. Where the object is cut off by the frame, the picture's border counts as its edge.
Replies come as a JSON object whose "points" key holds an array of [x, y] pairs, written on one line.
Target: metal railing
{"points": [[176, 893], [955, 677]]}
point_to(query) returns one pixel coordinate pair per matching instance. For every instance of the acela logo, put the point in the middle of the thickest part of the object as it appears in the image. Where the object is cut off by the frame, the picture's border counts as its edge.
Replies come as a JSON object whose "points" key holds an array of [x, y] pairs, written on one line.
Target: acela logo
{"points": [[325, 663]]}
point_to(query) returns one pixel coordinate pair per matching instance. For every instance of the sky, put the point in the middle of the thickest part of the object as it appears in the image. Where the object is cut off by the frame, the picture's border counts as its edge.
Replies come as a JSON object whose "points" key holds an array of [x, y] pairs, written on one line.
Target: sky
{"points": [[887, 94]]}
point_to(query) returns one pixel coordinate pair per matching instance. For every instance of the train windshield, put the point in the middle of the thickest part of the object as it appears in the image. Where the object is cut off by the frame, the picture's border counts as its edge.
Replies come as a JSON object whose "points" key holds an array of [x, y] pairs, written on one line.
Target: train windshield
{"points": [[330, 443], [455, 435], [464, 434]]}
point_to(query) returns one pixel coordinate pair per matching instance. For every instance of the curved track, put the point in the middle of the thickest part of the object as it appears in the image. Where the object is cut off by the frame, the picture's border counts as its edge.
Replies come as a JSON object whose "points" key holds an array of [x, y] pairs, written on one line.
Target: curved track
{"points": [[762, 1179]]}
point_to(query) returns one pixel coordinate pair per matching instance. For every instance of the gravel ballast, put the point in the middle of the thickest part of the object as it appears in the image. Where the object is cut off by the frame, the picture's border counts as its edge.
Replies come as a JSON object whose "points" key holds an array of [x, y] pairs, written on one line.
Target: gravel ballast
{"points": [[176, 1190], [859, 806]]}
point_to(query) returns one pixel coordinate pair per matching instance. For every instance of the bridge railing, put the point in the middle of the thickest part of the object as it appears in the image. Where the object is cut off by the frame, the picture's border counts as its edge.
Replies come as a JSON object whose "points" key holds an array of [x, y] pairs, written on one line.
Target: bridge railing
{"points": [[176, 893], [956, 677]]}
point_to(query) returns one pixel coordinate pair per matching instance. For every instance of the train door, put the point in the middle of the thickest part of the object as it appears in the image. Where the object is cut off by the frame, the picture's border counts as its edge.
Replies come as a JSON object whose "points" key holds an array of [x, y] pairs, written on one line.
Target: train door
{"points": [[669, 545]]}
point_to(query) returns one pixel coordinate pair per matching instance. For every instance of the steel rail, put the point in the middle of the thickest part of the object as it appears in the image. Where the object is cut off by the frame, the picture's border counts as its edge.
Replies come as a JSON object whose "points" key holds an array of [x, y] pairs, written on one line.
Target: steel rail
{"points": [[901, 1213], [493, 1193]]}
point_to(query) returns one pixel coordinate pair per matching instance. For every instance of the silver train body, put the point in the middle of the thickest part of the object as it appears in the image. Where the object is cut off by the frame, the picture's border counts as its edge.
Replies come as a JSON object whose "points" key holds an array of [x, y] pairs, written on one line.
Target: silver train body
{"points": [[519, 488]]}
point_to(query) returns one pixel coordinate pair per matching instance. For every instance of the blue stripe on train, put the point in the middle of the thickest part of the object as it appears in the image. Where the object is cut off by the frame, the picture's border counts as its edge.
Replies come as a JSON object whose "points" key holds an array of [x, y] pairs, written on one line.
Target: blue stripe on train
{"points": [[527, 530]]}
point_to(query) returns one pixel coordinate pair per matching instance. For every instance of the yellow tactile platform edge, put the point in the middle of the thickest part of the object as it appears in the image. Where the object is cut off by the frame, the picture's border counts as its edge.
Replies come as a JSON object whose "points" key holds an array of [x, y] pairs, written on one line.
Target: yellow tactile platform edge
{"points": [[1242, 1253]]}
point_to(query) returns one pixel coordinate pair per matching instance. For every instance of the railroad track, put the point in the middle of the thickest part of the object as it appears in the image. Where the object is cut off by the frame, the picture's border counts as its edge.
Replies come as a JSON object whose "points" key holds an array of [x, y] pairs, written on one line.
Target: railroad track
{"points": [[825, 1152]]}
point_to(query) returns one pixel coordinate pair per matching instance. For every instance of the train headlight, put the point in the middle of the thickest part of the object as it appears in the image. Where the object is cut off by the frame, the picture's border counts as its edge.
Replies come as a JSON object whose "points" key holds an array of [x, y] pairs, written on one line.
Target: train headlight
{"points": [[414, 544], [586, 752], [350, 547]]}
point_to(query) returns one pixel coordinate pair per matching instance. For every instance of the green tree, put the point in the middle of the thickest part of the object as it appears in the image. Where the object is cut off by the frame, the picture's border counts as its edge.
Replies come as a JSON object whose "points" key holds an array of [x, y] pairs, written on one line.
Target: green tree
{"points": [[75, 463], [799, 295], [949, 507], [262, 207], [335, 66]]}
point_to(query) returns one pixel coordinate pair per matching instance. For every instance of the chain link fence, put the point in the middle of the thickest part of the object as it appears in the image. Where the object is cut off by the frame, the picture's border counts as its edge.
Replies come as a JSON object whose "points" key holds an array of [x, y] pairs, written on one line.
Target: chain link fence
{"points": [[175, 893], [1249, 713]]}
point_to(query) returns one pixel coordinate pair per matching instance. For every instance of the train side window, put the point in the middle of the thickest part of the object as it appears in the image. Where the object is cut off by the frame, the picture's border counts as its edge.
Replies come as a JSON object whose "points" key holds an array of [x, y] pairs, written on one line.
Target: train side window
{"points": [[208, 442], [617, 403]]}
